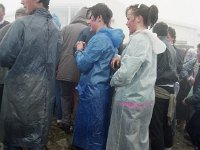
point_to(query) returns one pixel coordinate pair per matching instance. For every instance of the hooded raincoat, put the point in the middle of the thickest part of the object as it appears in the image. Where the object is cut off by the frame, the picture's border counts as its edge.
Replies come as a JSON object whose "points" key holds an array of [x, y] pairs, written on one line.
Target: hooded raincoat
{"points": [[134, 98], [30, 49], [92, 118], [67, 69]]}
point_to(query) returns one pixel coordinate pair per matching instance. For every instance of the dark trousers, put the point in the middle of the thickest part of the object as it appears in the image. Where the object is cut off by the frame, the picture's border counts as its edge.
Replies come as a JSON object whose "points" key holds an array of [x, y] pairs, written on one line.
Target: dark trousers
{"points": [[1, 94], [182, 111], [6, 147], [68, 102], [57, 106], [193, 128], [160, 132]]}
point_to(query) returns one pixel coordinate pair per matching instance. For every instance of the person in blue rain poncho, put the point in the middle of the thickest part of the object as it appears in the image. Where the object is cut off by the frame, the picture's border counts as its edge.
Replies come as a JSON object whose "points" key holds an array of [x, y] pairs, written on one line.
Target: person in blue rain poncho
{"points": [[93, 113], [134, 82]]}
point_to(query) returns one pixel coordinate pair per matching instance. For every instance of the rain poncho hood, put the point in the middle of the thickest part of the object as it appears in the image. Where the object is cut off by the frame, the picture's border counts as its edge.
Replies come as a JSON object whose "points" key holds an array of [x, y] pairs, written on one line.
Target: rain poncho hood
{"points": [[158, 45], [116, 35]]}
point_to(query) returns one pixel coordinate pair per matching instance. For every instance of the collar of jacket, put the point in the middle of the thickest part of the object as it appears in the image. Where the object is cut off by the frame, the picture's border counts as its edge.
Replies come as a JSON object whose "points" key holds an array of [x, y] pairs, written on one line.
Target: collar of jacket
{"points": [[41, 12]]}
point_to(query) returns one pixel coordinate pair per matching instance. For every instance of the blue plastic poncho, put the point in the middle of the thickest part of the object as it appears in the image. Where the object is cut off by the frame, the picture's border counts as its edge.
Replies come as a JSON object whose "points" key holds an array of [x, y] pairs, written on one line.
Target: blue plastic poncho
{"points": [[93, 113]]}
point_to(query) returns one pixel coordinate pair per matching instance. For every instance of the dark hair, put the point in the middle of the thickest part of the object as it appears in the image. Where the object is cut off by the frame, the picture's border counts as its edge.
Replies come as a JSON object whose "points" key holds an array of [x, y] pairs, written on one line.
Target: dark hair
{"points": [[198, 46], [45, 3], [161, 29], [2, 6], [149, 14], [101, 9], [172, 33]]}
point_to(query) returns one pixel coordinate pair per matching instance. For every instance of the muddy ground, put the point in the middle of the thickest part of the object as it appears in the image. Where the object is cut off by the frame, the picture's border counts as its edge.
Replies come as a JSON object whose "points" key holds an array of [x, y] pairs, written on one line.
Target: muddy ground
{"points": [[57, 140]]}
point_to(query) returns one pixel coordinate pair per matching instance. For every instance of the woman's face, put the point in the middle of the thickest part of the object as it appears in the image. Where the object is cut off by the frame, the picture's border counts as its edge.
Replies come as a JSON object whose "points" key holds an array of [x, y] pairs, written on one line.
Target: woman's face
{"points": [[131, 21]]}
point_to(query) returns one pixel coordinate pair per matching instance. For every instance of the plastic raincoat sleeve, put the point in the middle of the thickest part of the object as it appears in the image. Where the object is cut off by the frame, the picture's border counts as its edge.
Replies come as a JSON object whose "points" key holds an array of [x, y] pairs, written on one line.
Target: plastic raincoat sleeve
{"points": [[134, 56], [187, 69], [11, 44], [91, 54]]}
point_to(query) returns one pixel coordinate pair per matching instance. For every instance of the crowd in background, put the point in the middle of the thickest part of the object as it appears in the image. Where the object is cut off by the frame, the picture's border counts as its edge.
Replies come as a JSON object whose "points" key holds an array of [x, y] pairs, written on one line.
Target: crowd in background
{"points": [[111, 95]]}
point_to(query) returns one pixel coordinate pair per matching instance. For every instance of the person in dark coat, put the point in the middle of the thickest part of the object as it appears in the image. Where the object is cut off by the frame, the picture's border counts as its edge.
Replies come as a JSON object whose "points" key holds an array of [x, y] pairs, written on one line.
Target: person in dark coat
{"points": [[192, 127], [161, 121], [30, 50]]}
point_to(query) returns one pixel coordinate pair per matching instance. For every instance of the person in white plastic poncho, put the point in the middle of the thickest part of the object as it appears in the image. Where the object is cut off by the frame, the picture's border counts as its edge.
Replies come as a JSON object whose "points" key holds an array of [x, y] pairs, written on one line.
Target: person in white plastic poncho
{"points": [[134, 82]]}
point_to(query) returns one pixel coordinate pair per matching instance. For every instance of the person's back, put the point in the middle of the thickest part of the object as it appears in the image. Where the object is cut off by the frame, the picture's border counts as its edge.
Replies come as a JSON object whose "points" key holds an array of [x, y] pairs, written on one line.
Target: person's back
{"points": [[30, 49], [3, 71], [161, 121], [67, 72], [166, 68]]}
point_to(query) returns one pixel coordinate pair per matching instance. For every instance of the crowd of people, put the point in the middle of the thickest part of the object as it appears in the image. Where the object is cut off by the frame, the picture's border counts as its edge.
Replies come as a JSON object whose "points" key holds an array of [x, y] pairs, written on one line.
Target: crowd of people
{"points": [[111, 95]]}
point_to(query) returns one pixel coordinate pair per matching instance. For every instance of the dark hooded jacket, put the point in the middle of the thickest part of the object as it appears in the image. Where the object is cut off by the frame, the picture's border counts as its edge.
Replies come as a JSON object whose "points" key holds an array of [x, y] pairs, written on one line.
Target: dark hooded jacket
{"points": [[30, 49], [166, 65]]}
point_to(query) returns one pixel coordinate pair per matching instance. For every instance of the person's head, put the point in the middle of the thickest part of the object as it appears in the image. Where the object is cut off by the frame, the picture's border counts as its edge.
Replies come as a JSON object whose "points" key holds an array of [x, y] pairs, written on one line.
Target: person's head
{"points": [[161, 29], [140, 16], [81, 16], [20, 13], [31, 5], [171, 35], [100, 15], [198, 52], [2, 11]]}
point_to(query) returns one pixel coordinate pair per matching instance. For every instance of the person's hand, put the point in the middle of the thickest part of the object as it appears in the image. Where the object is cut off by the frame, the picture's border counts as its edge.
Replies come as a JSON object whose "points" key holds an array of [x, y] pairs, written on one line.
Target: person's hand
{"points": [[115, 63], [184, 102], [191, 80], [80, 45]]}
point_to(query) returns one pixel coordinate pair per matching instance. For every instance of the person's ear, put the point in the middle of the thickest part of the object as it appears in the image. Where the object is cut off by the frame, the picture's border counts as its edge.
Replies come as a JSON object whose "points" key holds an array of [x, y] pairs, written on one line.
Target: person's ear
{"points": [[139, 19], [99, 19]]}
